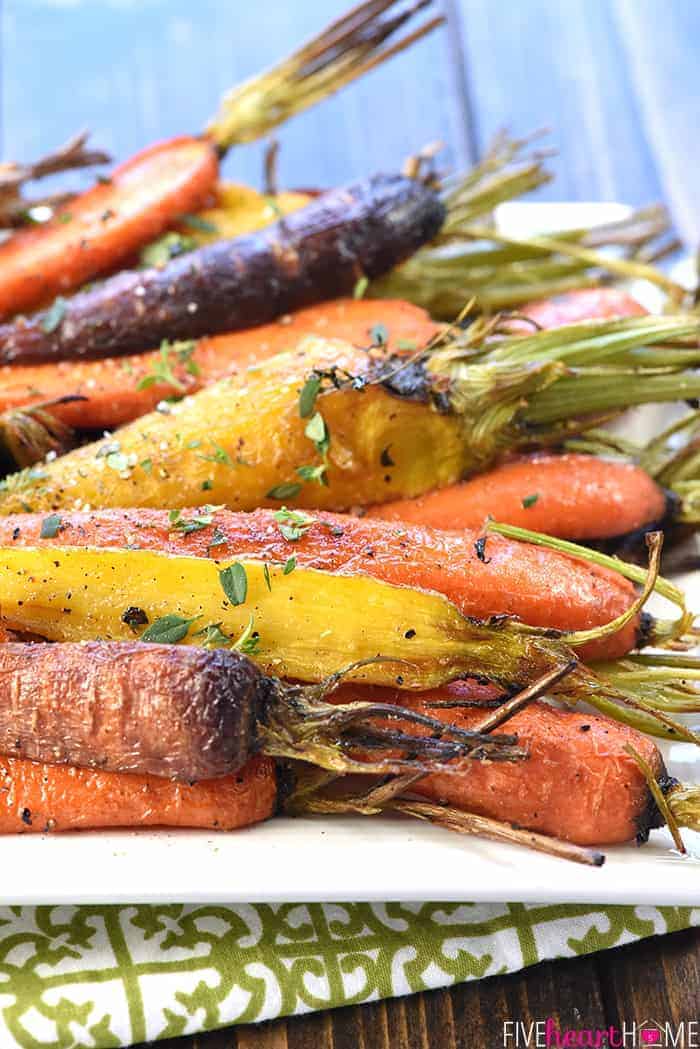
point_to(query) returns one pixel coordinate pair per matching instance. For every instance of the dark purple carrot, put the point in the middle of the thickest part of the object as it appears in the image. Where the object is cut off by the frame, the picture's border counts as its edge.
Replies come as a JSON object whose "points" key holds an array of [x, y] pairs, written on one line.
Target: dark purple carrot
{"points": [[315, 254]]}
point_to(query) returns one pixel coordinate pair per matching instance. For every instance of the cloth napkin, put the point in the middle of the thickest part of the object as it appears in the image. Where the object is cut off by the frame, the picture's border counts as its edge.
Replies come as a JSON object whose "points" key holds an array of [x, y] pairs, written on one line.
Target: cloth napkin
{"points": [[93, 977]]}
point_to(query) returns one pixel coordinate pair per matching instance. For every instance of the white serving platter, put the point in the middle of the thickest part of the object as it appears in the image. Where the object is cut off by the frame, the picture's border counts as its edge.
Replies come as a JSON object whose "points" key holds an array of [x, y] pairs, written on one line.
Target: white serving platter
{"points": [[354, 858]]}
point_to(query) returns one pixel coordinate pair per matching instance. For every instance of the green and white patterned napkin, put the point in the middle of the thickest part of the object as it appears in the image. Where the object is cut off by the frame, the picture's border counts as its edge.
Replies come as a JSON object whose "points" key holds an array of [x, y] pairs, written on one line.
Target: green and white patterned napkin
{"points": [[88, 977]]}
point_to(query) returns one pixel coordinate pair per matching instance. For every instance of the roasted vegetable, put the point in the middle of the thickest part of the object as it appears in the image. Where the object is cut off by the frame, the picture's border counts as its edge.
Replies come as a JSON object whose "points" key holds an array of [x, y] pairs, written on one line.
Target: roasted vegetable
{"points": [[574, 496], [103, 227], [482, 576], [115, 390], [304, 623], [383, 428], [314, 254], [307, 623], [580, 782], [184, 713], [36, 798]]}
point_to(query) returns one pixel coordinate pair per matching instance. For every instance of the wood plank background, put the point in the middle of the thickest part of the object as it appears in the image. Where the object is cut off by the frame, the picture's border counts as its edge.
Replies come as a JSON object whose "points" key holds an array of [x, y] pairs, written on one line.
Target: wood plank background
{"points": [[615, 80]]}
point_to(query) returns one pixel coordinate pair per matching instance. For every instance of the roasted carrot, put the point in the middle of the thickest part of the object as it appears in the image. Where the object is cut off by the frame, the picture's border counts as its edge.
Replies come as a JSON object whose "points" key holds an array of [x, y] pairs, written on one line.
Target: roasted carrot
{"points": [[37, 797], [104, 226], [579, 782], [381, 428], [315, 254], [495, 577], [181, 712], [573, 496], [581, 305], [119, 389]]}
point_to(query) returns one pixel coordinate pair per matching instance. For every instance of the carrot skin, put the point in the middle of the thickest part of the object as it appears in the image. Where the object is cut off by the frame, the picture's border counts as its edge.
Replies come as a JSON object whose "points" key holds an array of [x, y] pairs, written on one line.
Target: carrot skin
{"points": [[541, 587], [110, 385], [315, 254], [185, 713], [571, 496], [580, 305], [103, 227], [36, 798], [578, 783]]}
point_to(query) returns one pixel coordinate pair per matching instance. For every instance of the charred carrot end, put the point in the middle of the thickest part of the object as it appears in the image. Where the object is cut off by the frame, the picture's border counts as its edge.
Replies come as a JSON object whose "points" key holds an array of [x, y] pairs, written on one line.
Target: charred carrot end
{"points": [[611, 802], [116, 390], [37, 797], [107, 224], [571, 496]]}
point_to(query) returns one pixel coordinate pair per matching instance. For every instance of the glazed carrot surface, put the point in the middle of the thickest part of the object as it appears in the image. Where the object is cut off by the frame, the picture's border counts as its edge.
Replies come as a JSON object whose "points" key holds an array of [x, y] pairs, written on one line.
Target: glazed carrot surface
{"points": [[571, 496], [103, 227], [540, 586], [581, 305], [36, 797], [111, 386], [578, 783]]}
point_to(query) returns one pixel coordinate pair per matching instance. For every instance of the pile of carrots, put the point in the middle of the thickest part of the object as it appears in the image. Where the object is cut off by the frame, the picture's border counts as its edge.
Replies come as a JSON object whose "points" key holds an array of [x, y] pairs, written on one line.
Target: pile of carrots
{"points": [[315, 457]]}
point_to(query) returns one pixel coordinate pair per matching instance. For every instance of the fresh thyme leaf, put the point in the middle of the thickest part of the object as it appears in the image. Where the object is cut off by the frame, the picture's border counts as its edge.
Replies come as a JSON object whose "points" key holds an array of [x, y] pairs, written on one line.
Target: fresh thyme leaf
{"points": [[218, 539], [167, 247], [213, 635], [249, 641], [198, 223], [289, 565], [234, 583], [207, 485], [360, 288], [293, 524], [314, 473], [266, 574], [146, 465], [54, 315], [530, 500], [170, 355], [168, 630], [385, 458], [288, 490], [195, 524], [308, 395], [379, 335], [50, 526], [219, 455], [317, 431]]}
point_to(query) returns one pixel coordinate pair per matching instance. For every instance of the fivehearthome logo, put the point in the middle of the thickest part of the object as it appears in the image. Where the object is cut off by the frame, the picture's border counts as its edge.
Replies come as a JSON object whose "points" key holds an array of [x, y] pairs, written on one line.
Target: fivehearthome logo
{"points": [[549, 1034]]}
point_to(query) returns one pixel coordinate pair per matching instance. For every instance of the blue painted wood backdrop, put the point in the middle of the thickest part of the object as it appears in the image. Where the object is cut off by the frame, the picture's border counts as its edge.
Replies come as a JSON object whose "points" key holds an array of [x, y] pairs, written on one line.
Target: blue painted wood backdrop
{"points": [[615, 80]]}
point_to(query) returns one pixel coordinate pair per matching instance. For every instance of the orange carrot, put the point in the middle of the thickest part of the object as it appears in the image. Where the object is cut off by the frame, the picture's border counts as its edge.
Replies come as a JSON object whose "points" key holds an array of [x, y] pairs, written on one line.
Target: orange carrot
{"points": [[104, 226], [36, 797], [111, 385], [578, 783], [501, 576], [581, 305], [576, 497]]}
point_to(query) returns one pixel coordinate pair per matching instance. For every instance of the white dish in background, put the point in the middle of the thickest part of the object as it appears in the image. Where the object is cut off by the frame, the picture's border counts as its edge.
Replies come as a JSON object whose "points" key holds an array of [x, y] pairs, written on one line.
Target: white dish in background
{"points": [[354, 858]]}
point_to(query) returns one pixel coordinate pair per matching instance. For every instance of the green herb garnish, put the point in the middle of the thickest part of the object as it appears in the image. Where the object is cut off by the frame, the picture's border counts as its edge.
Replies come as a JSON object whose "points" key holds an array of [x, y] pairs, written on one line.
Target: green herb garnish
{"points": [[293, 524], [289, 565], [168, 630], [530, 500], [54, 315], [287, 490], [307, 398], [50, 526], [170, 355], [234, 583]]}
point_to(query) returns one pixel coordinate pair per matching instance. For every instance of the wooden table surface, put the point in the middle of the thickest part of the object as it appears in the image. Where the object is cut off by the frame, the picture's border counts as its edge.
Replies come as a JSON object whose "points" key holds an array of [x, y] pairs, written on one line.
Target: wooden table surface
{"points": [[615, 80]]}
